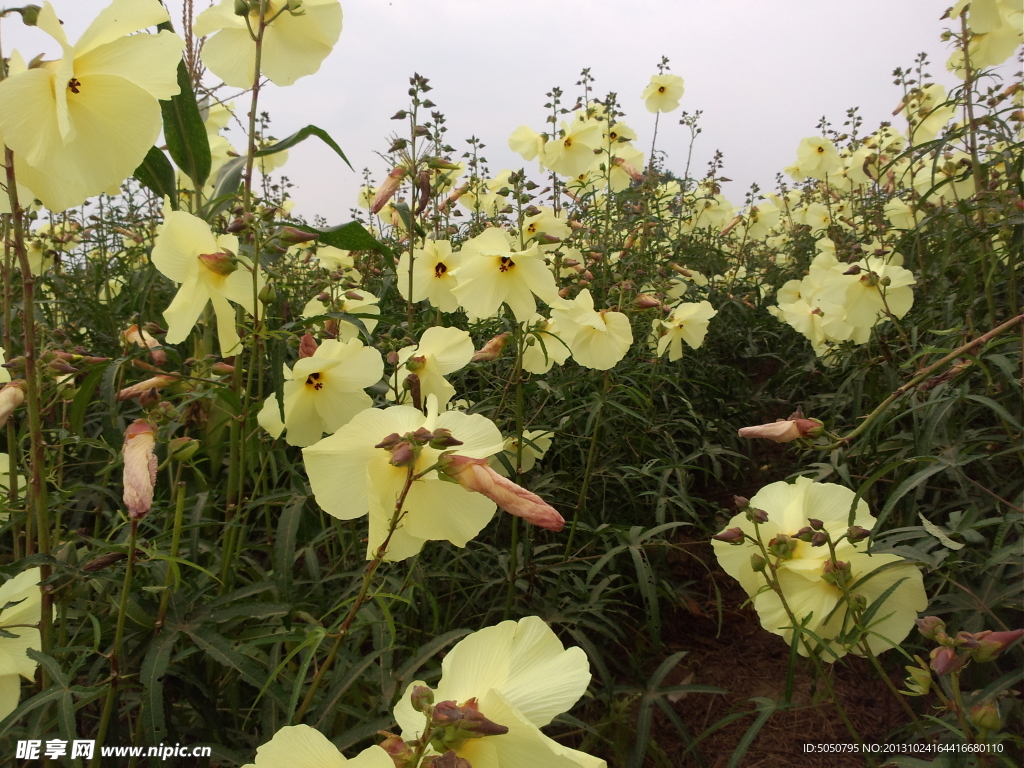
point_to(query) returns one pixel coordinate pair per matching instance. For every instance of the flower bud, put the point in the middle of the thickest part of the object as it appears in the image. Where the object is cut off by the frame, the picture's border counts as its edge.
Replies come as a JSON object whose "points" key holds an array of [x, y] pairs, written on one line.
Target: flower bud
{"points": [[222, 369], [643, 301], [307, 346], [740, 502], [182, 448], [390, 185], [819, 539], [449, 759], [143, 387], [441, 439], [475, 475], [293, 236], [856, 534], [141, 337], [241, 8], [415, 363], [29, 14], [403, 455], [756, 515], [267, 294], [758, 563], [422, 698], [392, 358], [919, 679], [730, 536], [219, 263], [401, 753], [991, 644], [491, 350], [944, 660], [139, 467], [831, 570], [985, 716], [804, 534], [815, 523], [929, 626], [782, 546], [389, 442]]}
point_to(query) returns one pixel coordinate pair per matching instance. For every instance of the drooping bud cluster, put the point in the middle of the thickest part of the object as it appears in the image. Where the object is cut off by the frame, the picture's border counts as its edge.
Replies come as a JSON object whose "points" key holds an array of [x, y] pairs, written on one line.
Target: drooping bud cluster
{"points": [[952, 653], [405, 449]]}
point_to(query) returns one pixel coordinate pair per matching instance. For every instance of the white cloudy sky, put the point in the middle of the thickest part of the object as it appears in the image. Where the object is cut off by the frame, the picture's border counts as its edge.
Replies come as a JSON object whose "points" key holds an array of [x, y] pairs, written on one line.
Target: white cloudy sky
{"points": [[763, 73]]}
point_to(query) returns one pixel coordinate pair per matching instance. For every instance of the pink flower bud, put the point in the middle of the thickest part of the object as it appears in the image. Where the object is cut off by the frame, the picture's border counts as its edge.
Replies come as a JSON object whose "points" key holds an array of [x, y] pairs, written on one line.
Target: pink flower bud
{"points": [[219, 262], [991, 644], [475, 475], [139, 467], [643, 301], [929, 626], [491, 349], [137, 390], [141, 338], [11, 396], [730, 536], [388, 188], [944, 660], [785, 430], [307, 346]]}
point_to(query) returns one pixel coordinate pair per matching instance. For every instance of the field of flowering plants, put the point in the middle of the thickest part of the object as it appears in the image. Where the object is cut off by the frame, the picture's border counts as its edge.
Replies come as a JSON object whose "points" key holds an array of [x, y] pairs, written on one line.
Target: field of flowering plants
{"points": [[571, 465]]}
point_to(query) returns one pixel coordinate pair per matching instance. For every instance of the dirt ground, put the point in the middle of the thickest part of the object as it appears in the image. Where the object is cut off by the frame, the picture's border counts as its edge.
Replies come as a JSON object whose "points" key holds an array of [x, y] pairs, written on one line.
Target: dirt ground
{"points": [[750, 663]]}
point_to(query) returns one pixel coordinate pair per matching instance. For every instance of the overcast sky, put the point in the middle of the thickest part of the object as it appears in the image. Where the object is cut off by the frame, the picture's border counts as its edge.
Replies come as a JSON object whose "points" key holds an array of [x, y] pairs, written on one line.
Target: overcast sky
{"points": [[763, 73]]}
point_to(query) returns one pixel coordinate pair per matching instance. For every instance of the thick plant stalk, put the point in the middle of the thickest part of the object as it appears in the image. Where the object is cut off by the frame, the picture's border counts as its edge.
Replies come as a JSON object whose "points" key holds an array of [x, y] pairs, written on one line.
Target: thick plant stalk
{"points": [[37, 459]]}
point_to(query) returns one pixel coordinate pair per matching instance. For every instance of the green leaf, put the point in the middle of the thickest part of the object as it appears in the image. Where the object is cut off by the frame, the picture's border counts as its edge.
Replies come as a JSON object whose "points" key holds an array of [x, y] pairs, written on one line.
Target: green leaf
{"points": [[157, 173], [765, 708], [187, 142], [350, 237], [85, 397], [284, 546], [154, 666], [220, 650], [300, 136]]}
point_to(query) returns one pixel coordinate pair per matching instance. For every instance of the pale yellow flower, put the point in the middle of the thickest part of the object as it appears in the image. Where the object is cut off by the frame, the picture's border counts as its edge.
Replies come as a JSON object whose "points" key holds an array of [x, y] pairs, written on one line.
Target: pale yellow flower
{"points": [[15, 664], [817, 158], [598, 339], [300, 745], [492, 274], [688, 322], [521, 677], [440, 351], [352, 477], [545, 346], [536, 443], [295, 42], [663, 93], [356, 302], [808, 593], [572, 152], [324, 391], [82, 124], [209, 269], [432, 274]]}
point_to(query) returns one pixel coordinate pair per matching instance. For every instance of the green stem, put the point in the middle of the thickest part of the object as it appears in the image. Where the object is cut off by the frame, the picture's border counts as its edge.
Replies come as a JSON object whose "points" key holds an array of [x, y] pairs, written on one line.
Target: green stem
{"points": [[927, 372], [361, 598], [179, 511], [115, 654], [589, 466], [37, 458]]}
